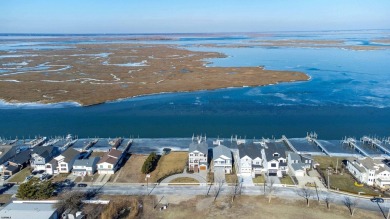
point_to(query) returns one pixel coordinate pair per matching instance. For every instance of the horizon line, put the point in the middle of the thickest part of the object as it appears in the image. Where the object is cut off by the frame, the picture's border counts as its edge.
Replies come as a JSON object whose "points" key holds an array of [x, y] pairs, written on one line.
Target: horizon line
{"points": [[172, 33]]}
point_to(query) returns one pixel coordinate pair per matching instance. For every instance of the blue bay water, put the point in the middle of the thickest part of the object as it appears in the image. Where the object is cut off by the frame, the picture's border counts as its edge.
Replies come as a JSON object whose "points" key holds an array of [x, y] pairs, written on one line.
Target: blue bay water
{"points": [[348, 95]]}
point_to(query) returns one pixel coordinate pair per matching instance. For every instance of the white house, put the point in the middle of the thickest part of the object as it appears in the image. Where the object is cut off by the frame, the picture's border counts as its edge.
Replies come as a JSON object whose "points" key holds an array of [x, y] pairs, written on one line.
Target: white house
{"points": [[369, 171], [222, 158], [274, 158], [197, 155], [108, 164], [250, 159], [85, 167], [63, 163], [40, 156]]}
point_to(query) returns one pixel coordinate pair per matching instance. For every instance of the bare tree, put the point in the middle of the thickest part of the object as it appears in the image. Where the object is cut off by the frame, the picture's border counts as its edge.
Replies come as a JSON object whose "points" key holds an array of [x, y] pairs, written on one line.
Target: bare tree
{"points": [[327, 199], [305, 193], [236, 190], [316, 187], [351, 204], [217, 187], [271, 189], [71, 200]]}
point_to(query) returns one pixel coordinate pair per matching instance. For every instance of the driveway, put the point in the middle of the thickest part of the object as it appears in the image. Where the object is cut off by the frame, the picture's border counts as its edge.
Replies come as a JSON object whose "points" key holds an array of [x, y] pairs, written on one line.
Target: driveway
{"points": [[275, 179], [246, 180], [219, 174]]}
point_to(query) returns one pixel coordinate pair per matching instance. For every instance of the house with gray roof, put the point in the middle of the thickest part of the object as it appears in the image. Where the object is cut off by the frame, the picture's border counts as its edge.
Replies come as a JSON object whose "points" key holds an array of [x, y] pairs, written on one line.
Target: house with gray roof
{"points": [[63, 163], [250, 159], [109, 163], [85, 167], [370, 171], [298, 164], [274, 157], [222, 159], [40, 156], [197, 155]]}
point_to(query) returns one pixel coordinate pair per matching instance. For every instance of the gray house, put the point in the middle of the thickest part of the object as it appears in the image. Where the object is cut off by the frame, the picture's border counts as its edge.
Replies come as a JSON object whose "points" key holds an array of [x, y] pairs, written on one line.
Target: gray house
{"points": [[298, 164], [250, 159], [85, 167], [222, 158], [40, 156], [197, 155]]}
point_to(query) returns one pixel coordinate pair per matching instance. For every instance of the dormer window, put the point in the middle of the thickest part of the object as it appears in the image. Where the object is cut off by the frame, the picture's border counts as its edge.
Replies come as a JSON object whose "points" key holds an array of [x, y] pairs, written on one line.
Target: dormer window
{"points": [[275, 155]]}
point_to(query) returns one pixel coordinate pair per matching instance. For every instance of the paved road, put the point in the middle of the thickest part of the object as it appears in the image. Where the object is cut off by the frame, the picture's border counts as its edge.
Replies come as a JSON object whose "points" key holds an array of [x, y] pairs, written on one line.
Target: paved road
{"points": [[282, 192]]}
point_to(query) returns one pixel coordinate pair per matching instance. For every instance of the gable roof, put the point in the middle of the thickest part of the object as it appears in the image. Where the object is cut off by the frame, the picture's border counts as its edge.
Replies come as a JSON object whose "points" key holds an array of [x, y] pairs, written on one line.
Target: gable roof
{"points": [[250, 150], [201, 147], [87, 162], [108, 159], [115, 153], [21, 157], [69, 154], [221, 150], [275, 147]]}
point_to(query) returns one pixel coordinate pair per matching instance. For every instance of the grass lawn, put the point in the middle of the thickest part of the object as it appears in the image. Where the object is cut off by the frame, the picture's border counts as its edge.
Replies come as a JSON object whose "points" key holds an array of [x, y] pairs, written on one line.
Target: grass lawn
{"points": [[343, 182], [131, 171], [184, 180], [60, 177], [346, 183], [86, 178], [231, 178], [169, 164], [326, 162], [259, 179], [286, 180], [20, 176], [5, 198]]}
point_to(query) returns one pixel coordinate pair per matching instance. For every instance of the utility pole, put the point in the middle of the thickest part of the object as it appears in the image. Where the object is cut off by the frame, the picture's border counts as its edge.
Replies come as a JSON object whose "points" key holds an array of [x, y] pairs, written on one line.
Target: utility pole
{"points": [[337, 164], [328, 180]]}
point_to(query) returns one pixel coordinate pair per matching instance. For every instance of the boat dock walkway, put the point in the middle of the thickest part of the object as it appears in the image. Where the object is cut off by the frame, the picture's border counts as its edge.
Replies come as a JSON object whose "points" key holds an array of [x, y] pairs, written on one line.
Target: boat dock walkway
{"points": [[323, 149], [376, 143], [286, 141], [352, 142]]}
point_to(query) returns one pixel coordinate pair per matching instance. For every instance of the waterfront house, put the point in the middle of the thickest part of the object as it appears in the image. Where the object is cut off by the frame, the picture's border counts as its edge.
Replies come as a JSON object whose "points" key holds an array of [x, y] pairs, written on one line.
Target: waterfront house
{"points": [[298, 164], [369, 171], [222, 159], [197, 155], [250, 159], [85, 167], [274, 157], [16, 163], [63, 163], [40, 156], [109, 163]]}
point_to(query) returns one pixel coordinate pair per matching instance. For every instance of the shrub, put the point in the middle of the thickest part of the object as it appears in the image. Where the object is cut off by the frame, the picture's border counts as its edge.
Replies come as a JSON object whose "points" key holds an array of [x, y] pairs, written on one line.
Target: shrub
{"points": [[150, 163]]}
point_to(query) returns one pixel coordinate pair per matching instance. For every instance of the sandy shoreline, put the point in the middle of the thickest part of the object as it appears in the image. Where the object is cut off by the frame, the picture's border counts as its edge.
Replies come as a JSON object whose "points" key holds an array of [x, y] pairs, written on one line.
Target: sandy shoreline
{"points": [[91, 74]]}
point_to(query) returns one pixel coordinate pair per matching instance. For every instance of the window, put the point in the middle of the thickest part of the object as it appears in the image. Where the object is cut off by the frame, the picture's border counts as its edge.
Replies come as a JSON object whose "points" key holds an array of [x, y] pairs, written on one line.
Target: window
{"points": [[63, 165], [196, 154], [110, 166], [275, 155], [191, 154], [257, 162], [101, 166], [273, 164], [63, 169]]}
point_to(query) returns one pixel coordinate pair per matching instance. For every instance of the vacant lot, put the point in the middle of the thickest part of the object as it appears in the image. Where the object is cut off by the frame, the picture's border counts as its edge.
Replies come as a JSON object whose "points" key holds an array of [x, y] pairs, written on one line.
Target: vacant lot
{"points": [[131, 171], [169, 164], [341, 180], [251, 207], [20, 176], [184, 180]]}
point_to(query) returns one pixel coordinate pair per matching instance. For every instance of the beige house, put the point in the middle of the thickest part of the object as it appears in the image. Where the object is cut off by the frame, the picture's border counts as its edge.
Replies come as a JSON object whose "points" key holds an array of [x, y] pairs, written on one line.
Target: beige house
{"points": [[108, 164]]}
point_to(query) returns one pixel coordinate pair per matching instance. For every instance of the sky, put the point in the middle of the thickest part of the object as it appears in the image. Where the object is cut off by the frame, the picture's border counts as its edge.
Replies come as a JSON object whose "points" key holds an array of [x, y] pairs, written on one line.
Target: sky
{"points": [[190, 16]]}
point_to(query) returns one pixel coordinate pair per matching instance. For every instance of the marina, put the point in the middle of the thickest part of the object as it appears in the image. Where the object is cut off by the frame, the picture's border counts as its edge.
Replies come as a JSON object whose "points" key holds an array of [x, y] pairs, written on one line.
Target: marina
{"points": [[364, 147]]}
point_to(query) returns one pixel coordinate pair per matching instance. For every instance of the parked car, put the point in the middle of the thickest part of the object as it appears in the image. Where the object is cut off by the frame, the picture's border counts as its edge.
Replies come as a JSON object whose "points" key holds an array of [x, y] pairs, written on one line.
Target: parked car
{"points": [[28, 177], [82, 185], [379, 200], [5, 177]]}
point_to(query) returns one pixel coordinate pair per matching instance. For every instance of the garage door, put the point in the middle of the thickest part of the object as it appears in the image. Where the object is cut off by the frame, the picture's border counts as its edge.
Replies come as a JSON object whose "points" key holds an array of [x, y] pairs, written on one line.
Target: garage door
{"points": [[202, 167], [272, 174]]}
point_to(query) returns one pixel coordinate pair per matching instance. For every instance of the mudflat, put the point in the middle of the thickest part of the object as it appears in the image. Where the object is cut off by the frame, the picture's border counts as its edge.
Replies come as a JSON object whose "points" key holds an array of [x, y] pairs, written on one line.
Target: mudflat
{"points": [[96, 73]]}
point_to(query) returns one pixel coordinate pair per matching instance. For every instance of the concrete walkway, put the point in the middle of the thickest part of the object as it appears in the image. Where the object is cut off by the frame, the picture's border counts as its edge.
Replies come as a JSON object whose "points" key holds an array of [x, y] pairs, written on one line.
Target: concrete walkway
{"points": [[246, 180]]}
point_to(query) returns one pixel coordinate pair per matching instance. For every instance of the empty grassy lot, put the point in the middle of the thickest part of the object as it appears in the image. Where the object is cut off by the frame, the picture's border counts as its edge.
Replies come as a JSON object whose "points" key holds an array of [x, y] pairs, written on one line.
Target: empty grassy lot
{"points": [[343, 180], [20, 176], [184, 180], [253, 207], [131, 171], [169, 164]]}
